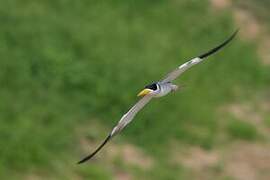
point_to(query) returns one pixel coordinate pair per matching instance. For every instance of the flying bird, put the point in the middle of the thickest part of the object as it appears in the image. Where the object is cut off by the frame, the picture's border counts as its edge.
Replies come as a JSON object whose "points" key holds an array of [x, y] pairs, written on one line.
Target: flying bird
{"points": [[155, 90]]}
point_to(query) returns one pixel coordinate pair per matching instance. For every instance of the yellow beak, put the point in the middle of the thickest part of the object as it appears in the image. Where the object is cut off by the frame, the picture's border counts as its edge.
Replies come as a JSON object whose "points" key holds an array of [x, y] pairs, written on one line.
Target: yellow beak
{"points": [[145, 92]]}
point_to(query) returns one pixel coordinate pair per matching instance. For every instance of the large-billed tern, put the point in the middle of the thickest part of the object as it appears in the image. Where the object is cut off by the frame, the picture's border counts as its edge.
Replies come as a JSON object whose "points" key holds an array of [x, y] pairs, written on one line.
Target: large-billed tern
{"points": [[154, 90]]}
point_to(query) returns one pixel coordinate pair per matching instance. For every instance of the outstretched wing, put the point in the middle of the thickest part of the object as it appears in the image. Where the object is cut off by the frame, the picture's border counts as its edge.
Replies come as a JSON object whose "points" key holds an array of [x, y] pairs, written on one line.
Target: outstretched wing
{"points": [[124, 121], [178, 71]]}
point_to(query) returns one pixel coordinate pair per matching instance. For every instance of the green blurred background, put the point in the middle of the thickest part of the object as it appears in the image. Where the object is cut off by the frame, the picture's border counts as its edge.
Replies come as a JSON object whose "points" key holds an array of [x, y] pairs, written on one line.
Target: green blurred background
{"points": [[69, 70]]}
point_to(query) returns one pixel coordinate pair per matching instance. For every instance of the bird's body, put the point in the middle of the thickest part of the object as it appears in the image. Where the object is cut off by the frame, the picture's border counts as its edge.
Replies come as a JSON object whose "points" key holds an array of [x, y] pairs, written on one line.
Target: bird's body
{"points": [[164, 88], [156, 90]]}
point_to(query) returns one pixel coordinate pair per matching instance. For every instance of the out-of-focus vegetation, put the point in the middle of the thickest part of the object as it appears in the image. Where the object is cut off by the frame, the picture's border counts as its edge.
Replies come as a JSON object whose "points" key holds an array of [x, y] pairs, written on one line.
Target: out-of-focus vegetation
{"points": [[68, 65], [242, 130], [259, 8]]}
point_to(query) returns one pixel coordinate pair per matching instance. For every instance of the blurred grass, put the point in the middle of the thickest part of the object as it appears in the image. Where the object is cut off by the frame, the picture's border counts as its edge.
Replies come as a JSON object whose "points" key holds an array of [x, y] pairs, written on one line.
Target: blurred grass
{"points": [[242, 130], [259, 9], [65, 63]]}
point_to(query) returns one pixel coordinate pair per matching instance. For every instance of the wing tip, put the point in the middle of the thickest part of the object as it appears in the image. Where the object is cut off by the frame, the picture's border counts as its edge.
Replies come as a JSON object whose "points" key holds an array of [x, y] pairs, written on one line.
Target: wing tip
{"points": [[82, 161], [212, 51], [96, 151]]}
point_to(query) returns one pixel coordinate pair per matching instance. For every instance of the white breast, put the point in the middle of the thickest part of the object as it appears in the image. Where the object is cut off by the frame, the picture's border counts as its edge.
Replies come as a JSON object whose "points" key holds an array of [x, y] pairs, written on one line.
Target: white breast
{"points": [[164, 89]]}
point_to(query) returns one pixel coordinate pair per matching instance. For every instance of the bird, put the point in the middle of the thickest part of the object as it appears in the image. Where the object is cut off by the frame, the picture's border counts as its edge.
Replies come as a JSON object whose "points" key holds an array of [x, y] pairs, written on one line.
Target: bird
{"points": [[156, 90]]}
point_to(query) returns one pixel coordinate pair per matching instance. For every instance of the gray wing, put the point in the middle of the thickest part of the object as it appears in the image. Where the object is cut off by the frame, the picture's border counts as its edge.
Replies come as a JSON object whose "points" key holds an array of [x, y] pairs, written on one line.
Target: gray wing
{"points": [[128, 117], [178, 71], [124, 121]]}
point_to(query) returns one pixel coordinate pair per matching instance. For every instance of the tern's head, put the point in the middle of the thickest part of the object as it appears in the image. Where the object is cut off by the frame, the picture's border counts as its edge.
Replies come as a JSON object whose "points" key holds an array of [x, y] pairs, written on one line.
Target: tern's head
{"points": [[149, 89]]}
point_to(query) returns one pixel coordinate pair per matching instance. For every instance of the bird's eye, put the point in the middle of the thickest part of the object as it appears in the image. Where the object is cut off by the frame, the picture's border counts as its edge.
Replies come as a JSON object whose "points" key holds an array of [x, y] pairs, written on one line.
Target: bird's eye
{"points": [[152, 86]]}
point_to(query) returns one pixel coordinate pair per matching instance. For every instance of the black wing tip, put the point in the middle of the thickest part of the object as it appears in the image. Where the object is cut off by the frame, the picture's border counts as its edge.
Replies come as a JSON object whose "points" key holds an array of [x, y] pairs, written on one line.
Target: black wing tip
{"points": [[87, 158], [83, 160], [212, 51], [96, 151]]}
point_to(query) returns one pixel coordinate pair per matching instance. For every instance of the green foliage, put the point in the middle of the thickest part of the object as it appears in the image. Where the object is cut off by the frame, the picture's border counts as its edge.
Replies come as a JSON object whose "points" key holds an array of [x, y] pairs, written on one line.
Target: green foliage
{"points": [[242, 130], [94, 172], [166, 171], [267, 121], [259, 9], [64, 63]]}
